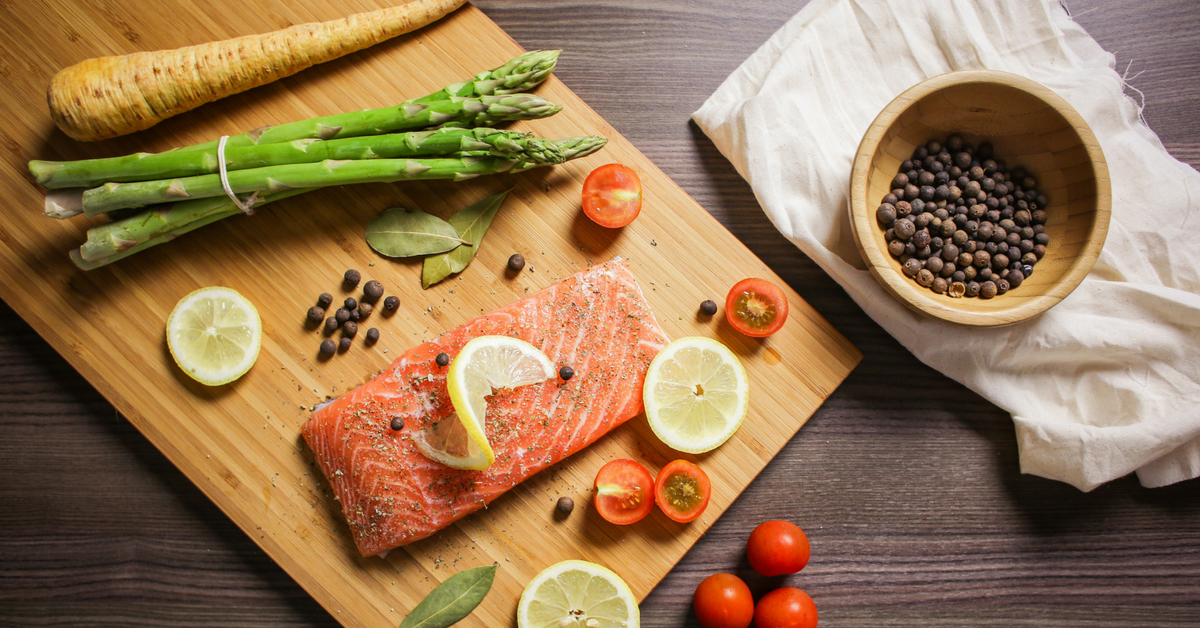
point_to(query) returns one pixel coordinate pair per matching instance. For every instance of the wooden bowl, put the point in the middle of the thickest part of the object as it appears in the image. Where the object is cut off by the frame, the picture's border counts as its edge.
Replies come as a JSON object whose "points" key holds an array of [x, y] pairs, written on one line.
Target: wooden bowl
{"points": [[1029, 126]]}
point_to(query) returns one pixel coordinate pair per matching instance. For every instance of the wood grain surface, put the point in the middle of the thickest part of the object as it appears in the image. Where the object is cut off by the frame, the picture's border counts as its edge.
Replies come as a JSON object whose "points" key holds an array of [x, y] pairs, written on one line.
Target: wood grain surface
{"points": [[908, 484]]}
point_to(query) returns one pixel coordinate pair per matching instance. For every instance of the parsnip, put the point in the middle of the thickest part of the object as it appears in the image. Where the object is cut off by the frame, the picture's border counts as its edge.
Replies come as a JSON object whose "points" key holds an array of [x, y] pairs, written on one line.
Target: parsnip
{"points": [[109, 96]]}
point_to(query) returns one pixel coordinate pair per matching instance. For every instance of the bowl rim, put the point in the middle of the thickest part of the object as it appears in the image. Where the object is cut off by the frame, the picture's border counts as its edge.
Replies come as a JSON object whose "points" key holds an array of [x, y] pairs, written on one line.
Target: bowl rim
{"points": [[921, 299]]}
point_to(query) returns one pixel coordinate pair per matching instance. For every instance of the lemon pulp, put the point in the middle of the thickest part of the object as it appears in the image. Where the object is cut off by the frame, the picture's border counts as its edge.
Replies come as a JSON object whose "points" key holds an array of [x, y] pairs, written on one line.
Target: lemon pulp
{"points": [[696, 394], [577, 594], [214, 334]]}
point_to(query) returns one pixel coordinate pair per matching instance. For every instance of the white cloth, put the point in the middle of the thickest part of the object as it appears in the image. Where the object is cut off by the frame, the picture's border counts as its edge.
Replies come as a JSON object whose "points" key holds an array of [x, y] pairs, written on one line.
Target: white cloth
{"points": [[1105, 383]]}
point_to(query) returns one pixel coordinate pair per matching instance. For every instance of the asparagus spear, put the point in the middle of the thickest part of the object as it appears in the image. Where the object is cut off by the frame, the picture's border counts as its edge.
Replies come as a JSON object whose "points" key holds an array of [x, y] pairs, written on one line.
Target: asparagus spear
{"points": [[518, 75], [173, 164], [336, 171], [116, 240]]}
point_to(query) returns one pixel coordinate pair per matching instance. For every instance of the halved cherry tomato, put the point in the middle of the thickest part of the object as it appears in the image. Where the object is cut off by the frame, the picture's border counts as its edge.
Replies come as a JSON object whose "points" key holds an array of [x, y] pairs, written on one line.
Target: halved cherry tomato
{"points": [[682, 491], [623, 492], [776, 548], [612, 195], [723, 601], [756, 307], [785, 607]]}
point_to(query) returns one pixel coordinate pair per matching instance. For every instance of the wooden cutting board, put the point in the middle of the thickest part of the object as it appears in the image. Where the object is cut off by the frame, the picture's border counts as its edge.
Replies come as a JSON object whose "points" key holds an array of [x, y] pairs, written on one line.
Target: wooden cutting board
{"points": [[240, 443]]}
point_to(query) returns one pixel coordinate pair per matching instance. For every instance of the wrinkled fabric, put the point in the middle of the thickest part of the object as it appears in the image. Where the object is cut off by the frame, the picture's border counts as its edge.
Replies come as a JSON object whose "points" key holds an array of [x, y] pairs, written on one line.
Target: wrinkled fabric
{"points": [[1103, 384]]}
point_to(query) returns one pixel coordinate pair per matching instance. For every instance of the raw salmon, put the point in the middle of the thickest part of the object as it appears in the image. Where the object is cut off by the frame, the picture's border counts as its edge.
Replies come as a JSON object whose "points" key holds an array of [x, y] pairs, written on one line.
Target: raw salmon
{"points": [[596, 321]]}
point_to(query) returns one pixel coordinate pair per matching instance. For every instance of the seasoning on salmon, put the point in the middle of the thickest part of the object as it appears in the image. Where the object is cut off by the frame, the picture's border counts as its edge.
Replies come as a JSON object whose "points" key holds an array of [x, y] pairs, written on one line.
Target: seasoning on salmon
{"points": [[597, 321]]}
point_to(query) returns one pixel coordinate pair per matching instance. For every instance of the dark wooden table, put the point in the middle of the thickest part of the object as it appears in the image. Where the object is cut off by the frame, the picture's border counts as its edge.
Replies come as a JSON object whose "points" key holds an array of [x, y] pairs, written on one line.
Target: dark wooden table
{"points": [[907, 483]]}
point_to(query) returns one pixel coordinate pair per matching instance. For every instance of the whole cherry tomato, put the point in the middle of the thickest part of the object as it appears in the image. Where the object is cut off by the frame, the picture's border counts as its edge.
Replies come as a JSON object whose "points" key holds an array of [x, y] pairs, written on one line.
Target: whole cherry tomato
{"points": [[776, 548], [723, 601], [786, 607]]}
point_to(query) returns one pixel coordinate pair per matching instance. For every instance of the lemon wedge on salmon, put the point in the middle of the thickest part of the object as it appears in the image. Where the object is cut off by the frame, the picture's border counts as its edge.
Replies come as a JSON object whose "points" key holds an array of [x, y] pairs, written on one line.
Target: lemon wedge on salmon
{"points": [[484, 364]]}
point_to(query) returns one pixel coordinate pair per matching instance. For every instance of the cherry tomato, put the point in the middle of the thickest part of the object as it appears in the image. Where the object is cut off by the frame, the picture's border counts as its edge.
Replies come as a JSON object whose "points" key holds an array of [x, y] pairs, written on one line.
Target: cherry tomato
{"points": [[776, 548], [623, 492], [723, 601], [786, 607], [612, 195], [682, 491], [756, 307]]}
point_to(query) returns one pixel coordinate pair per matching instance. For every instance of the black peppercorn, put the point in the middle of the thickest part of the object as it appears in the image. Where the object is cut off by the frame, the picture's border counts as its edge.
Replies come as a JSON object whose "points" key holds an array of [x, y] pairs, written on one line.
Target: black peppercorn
{"points": [[442, 359], [925, 277], [344, 344], [566, 373], [350, 303], [342, 315], [921, 239], [331, 325], [349, 330], [391, 303], [328, 347], [324, 300], [708, 307], [565, 505], [351, 278], [1015, 277], [397, 423], [315, 315], [365, 309], [516, 261], [373, 335], [372, 291]]}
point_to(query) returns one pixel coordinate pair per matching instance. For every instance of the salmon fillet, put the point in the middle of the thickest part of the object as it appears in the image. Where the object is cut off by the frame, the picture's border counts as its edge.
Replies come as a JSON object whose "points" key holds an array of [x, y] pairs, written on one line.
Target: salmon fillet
{"points": [[596, 321]]}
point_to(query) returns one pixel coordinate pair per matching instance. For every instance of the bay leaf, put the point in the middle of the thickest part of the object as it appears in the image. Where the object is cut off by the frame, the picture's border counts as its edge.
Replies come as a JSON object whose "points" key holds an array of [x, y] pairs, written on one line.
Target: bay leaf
{"points": [[471, 224], [400, 232], [452, 600]]}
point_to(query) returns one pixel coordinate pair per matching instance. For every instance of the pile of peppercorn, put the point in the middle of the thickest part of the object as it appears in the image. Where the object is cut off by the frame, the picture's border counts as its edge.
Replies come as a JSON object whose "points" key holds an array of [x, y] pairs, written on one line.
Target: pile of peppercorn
{"points": [[961, 223], [350, 314]]}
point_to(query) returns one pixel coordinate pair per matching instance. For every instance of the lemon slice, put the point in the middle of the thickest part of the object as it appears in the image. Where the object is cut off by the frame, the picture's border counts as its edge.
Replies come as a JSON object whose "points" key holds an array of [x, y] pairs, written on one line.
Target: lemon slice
{"points": [[696, 394], [214, 335], [577, 594], [484, 364]]}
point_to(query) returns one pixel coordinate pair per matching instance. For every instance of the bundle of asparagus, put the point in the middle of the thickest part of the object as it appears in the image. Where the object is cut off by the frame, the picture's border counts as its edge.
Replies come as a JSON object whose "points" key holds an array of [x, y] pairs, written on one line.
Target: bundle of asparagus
{"points": [[443, 135]]}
